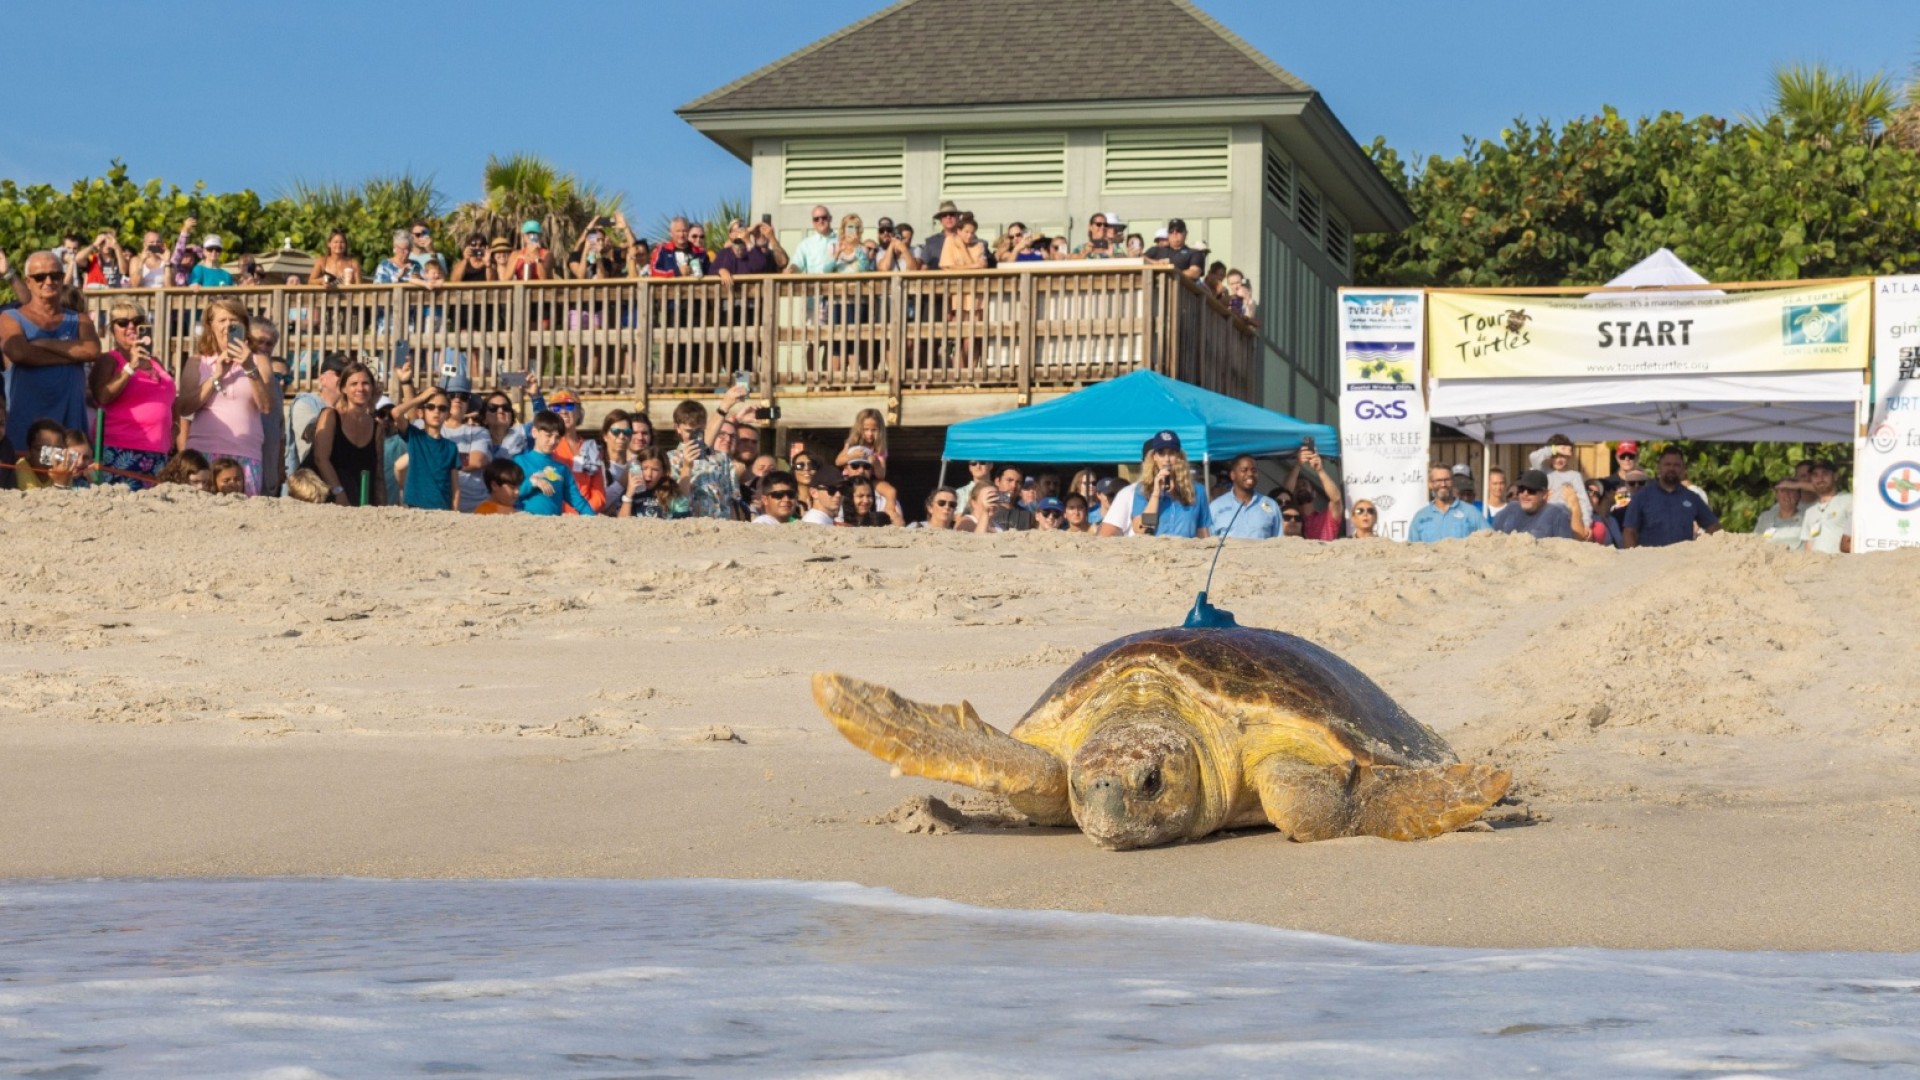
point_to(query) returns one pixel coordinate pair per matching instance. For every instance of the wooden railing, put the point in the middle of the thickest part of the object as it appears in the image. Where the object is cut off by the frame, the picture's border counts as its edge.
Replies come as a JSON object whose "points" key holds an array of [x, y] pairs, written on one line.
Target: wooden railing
{"points": [[896, 334]]}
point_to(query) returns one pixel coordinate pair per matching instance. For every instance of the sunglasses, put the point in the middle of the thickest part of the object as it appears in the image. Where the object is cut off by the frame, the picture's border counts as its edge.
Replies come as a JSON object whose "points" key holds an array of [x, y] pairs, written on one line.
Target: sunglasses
{"points": [[44, 278], [125, 323], [823, 217], [859, 465], [1289, 517], [803, 466], [783, 493], [623, 432], [435, 408], [1046, 513], [1636, 483], [564, 408], [945, 504], [1529, 491], [508, 409], [1358, 511]]}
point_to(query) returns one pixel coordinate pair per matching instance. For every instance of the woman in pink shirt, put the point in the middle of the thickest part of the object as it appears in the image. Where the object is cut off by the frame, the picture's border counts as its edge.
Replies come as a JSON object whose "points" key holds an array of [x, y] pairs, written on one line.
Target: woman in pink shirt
{"points": [[136, 396], [224, 394]]}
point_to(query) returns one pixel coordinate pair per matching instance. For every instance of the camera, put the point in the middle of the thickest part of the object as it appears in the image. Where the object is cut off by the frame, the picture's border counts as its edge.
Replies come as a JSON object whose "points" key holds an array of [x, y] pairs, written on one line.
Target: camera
{"points": [[766, 413], [1307, 446], [52, 455]]}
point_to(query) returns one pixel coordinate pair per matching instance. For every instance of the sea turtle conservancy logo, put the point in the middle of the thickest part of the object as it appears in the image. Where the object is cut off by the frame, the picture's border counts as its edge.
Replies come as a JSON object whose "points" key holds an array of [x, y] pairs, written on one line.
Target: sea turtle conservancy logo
{"points": [[1814, 324], [1378, 311], [1900, 486], [1379, 365]]}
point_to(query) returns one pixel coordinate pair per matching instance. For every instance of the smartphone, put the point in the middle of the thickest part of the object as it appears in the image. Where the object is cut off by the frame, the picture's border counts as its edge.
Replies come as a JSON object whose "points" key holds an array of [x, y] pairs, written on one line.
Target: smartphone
{"points": [[449, 371], [52, 455], [766, 219], [235, 333], [1306, 444], [513, 380], [146, 340], [765, 413]]}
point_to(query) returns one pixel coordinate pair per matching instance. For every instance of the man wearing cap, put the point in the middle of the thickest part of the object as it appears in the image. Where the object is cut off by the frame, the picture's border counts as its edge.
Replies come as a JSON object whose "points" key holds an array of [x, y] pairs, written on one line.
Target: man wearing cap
{"points": [[1242, 512], [823, 496], [1666, 511], [1444, 518], [1782, 523], [1566, 484], [208, 274], [1626, 458], [1828, 523], [307, 408], [1531, 512], [948, 216], [896, 248], [1191, 262]]}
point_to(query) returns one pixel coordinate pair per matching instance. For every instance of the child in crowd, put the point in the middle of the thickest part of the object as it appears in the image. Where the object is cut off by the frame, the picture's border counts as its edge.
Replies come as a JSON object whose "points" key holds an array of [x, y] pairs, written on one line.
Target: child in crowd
{"points": [[306, 486], [869, 432], [503, 477], [548, 485], [46, 461], [432, 466], [189, 467], [229, 477]]}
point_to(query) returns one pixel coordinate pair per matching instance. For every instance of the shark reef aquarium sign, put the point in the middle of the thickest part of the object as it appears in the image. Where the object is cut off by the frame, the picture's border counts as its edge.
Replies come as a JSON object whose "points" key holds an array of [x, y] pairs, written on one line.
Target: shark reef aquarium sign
{"points": [[1503, 336]]}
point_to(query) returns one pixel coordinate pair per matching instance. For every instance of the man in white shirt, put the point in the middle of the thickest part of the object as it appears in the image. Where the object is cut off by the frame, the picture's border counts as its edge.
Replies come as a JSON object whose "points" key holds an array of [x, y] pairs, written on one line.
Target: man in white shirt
{"points": [[1828, 523], [825, 495]]}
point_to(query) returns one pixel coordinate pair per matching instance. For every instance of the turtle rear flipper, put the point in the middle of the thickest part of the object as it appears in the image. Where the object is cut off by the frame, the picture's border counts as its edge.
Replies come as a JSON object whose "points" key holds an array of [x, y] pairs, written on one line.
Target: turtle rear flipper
{"points": [[1310, 802], [944, 742]]}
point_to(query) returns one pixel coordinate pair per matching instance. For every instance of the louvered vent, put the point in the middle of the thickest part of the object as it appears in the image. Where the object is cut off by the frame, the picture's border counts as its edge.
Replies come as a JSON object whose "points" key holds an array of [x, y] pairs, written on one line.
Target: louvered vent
{"points": [[1339, 240], [1307, 211], [1280, 180], [819, 169], [1166, 161], [1007, 164]]}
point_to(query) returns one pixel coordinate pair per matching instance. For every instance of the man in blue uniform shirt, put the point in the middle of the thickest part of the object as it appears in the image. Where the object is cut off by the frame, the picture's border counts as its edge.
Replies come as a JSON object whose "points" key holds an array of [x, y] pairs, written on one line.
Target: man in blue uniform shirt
{"points": [[1445, 518], [1665, 511], [1242, 512]]}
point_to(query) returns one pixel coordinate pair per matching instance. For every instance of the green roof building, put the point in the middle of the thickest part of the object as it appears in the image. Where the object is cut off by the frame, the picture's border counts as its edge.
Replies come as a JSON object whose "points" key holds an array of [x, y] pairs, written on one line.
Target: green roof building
{"points": [[1047, 111]]}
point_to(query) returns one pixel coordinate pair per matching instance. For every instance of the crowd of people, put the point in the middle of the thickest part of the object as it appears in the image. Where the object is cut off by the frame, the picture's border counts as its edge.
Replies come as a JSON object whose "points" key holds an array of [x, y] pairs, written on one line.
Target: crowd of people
{"points": [[609, 248], [1629, 507]]}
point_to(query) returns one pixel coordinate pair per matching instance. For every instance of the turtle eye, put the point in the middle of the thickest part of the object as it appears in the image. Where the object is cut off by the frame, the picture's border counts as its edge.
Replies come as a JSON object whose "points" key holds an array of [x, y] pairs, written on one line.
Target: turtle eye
{"points": [[1150, 783]]}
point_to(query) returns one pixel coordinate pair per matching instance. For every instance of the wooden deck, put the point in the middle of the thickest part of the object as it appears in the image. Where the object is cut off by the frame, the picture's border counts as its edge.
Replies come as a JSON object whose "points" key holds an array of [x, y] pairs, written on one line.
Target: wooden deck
{"points": [[925, 348]]}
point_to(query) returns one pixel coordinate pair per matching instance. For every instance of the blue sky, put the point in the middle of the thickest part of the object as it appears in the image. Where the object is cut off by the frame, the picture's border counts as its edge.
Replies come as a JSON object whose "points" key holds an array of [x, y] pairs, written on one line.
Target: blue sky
{"points": [[254, 95]]}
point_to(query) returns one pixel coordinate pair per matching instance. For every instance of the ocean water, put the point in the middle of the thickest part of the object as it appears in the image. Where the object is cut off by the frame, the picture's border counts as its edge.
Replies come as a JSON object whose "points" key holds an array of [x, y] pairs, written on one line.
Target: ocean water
{"points": [[353, 978]]}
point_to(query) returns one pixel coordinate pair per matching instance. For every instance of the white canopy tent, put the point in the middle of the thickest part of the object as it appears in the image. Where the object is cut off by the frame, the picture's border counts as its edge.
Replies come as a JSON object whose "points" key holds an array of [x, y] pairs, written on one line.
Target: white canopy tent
{"points": [[1795, 406]]}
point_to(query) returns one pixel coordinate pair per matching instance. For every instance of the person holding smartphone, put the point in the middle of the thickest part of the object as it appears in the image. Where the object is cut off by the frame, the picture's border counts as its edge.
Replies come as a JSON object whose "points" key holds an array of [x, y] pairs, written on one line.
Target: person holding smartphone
{"points": [[224, 393], [135, 393]]}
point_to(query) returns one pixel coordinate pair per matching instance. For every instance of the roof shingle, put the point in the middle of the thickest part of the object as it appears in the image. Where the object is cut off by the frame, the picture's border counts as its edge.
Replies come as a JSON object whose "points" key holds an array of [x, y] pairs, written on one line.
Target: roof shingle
{"points": [[931, 53]]}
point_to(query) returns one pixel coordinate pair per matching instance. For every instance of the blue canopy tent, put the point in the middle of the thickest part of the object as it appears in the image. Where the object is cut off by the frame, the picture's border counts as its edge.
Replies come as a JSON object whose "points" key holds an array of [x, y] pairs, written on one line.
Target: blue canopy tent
{"points": [[1108, 421]]}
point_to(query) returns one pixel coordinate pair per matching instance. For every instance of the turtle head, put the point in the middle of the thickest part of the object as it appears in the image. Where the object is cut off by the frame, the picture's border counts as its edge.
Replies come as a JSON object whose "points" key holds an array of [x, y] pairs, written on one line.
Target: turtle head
{"points": [[1135, 784]]}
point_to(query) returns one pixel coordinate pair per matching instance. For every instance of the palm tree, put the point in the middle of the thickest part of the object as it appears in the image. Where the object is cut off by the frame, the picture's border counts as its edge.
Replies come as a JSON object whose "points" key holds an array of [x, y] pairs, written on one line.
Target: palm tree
{"points": [[714, 219], [368, 212], [1828, 106], [522, 188], [1904, 129]]}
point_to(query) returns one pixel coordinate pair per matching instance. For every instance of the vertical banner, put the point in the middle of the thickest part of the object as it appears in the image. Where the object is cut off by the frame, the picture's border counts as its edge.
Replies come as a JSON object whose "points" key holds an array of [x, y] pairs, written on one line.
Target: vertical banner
{"points": [[1384, 433], [1886, 482]]}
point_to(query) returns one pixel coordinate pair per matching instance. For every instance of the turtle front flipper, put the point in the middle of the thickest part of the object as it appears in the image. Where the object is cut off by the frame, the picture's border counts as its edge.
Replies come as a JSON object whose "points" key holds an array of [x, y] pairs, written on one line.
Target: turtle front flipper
{"points": [[1320, 802], [945, 742]]}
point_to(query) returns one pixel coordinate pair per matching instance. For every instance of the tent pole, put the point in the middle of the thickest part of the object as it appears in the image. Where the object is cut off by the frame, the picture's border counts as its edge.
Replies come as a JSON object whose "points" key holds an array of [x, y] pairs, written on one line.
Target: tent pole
{"points": [[1206, 473], [943, 473], [1486, 467]]}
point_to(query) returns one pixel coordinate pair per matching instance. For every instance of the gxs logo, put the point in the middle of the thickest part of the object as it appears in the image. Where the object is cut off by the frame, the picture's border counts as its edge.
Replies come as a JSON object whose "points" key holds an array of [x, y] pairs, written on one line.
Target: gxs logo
{"points": [[1380, 410]]}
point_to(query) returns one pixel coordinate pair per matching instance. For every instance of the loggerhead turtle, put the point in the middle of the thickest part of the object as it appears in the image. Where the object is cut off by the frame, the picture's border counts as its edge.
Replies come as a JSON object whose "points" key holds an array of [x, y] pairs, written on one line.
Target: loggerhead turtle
{"points": [[1172, 734]]}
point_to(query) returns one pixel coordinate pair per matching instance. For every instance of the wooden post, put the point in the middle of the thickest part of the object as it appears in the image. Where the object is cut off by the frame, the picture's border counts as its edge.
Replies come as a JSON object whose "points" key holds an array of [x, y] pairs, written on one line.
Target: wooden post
{"points": [[897, 348], [1026, 314], [768, 331], [517, 337], [643, 348]]}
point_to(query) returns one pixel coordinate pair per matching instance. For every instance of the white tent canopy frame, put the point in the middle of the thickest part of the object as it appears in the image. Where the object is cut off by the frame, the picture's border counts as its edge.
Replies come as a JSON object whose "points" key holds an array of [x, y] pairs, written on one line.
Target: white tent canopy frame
{"points": [[1782, 406]]}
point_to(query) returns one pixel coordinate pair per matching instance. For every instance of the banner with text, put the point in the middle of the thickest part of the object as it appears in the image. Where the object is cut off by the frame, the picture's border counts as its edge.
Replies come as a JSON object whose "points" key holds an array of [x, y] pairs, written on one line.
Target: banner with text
{"points": [[1491, 336], [1886, 464], [1383, 411]]}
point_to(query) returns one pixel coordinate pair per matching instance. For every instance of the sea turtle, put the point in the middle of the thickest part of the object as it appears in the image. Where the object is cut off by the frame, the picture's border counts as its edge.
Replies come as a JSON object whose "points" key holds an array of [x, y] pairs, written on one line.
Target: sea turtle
{"points": [[1169, 735]]}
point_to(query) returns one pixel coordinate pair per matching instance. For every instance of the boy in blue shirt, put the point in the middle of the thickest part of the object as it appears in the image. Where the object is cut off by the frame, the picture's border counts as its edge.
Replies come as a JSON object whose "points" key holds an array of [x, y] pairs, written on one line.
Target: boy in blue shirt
{"points": [[549, 482]]}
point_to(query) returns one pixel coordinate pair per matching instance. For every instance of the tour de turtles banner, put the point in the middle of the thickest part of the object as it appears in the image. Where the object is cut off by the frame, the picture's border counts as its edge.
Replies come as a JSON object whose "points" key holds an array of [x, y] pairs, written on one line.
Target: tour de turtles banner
{"points": [[1886, 485], [1504, 336], [1383, 411]]}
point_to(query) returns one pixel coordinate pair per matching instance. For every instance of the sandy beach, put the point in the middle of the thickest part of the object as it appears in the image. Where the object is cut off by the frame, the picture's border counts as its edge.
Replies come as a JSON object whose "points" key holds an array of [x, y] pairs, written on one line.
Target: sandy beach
{"points": [[1715, 745]]}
